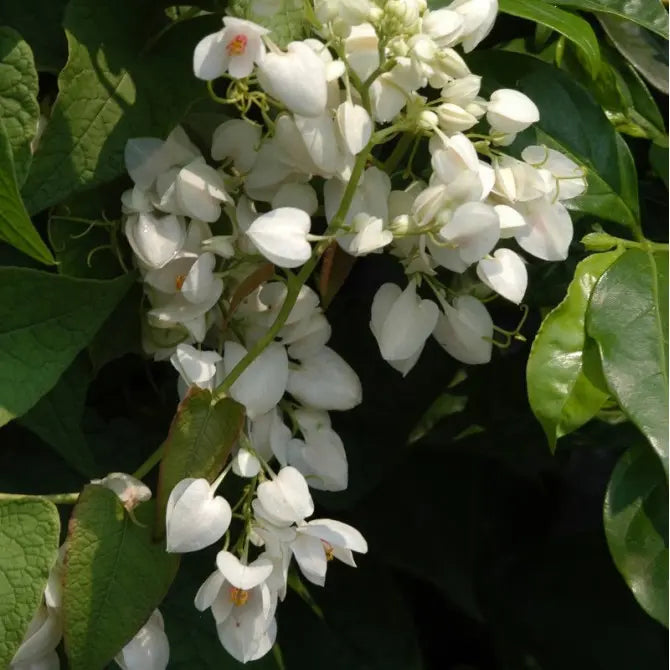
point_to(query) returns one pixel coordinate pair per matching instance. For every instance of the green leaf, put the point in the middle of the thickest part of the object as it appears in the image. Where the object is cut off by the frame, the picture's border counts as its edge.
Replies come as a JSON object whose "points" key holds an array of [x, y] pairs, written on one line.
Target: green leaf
{"points": [[571, 121], [16, 228], [113, 88], [19, 110], [560, 393], [645, 50], [57, 416], [198, 444], [658, 157], [115, 576], [41, 24], [646, 13], [28, 547], [46, 321], [575, 28], [285, 20], [628, 318], [636, 525]]}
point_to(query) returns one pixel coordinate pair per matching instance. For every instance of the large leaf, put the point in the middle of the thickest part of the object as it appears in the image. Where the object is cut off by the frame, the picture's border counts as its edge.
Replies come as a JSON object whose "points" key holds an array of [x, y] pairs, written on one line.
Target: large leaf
{"points": [[628, 318], [560, 393], [57, 416], [19, 110], [46, 321], [115, 576], [646, 13], [573, 122], [575, 28], [284, 18], [115, 86], [636, 525], [16, 228], [40, 23], [645, 50], [200, 439], [28, 545]]}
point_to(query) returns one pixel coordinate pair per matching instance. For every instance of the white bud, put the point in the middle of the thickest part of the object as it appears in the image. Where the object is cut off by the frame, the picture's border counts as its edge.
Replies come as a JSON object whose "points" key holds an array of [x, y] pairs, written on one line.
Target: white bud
{"points": [[511, 111]]}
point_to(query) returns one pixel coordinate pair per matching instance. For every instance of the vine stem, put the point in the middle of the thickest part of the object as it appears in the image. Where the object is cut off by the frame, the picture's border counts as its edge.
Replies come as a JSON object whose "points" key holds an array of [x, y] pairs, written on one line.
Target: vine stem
{"points": [[56, 498]]}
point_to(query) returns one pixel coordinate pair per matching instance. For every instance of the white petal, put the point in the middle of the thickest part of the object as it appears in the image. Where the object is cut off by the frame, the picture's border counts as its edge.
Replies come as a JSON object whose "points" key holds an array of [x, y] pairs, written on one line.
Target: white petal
{"points": [[511, 111], [209, 590], [511, 221], [239, 140], [549, 231], [286, 498], [325, 381], [149, 649], [280, 236], [505, 273], [298, 196], [243, 576], [465, 331], [197, 285], [355, 126], [155, 240], [261, 386], [245, 464], [310, 555], [336, 533], [318, 134], [474, 229], [210, 57], [195, 519], [144, 160]]}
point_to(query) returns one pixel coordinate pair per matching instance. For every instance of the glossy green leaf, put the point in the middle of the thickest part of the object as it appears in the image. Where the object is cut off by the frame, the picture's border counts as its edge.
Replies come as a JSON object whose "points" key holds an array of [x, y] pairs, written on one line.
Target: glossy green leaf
{"points": [[19, 110], [576, 29], [200, 439], [560, 392], [16, 228], [115, 576], [646, 13], [112, 88], [628, 318], [636, 525], [57, 416], [571, 121], [46, 321], [28, 546], [645, 50], [658, 157], [40, 22]]}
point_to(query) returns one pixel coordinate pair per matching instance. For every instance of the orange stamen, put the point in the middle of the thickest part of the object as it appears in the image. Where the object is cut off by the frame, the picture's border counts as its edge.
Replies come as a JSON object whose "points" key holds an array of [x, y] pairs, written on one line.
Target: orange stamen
{"points": [[237, 45], [238, 596]]}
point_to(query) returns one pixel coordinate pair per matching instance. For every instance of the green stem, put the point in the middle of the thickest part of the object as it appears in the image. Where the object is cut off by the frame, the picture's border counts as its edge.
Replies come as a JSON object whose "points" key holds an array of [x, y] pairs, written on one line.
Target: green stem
{"points": [[398, 153], [295, 283], [56, 498], [150, 463]]}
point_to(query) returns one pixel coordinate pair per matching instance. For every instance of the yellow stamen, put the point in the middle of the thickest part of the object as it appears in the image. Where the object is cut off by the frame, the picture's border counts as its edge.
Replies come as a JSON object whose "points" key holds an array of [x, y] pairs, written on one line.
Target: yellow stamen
{"points": [[328, 548], [179, 281], [238, 596], [237, 45]]}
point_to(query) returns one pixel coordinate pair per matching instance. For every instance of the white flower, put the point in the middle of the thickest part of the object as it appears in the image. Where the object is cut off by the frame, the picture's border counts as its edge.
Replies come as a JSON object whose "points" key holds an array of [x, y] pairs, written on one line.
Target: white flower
{"points": [[401, 323], [369, 236], [470, 234], [297, 78], [505, 273], [242, 605], [325, 381], [478, 19], [390, 92], [195, 366], [40, 640], [444, 26], [235, 49], [149, 649], [465, 330], [281, 236], [285, 499], [511, 111], [155, 240], [131, 491], [199, 191], [237, 139], [194, 516], [319, 541], [570, 179], [261, 386]]}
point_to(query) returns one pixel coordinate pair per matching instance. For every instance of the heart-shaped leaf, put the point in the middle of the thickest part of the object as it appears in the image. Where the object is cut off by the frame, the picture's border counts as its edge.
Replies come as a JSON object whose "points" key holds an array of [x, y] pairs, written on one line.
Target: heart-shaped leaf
{"points": [[115, 576]]}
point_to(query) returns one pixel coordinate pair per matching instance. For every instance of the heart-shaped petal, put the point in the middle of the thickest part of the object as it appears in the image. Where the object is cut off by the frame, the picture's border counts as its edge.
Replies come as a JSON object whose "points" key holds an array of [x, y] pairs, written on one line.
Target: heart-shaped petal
{"points": [[355, 126], [296, 78], [286, 499], [194, 518], [280, 235], [505, 273], [239, 574]]}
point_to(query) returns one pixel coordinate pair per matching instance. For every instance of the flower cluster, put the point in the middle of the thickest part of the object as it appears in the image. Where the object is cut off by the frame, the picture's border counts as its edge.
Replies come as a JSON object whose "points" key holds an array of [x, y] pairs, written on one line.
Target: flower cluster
{"points": [[313, 162]]}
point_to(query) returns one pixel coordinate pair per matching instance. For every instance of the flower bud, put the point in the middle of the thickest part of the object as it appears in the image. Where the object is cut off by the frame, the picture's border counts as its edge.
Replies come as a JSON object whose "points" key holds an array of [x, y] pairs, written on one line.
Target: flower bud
{"points": [[511, 111]]}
